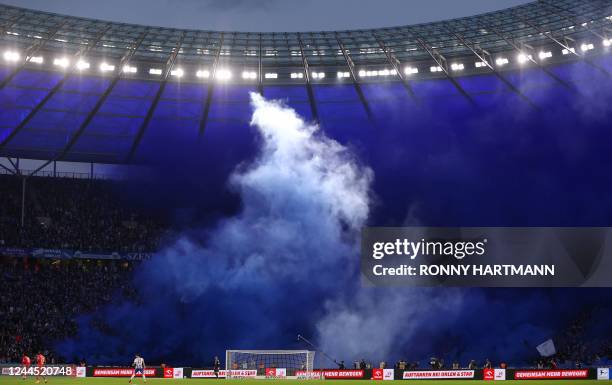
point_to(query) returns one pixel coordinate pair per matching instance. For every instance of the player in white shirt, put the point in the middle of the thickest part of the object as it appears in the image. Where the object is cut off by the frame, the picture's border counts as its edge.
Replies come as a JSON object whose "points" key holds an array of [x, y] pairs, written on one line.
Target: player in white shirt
{"points": [[139, 368]]}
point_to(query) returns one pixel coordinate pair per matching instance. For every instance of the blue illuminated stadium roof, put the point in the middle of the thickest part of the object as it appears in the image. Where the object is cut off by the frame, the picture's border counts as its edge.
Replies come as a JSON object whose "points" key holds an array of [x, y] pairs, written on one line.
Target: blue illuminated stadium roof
{"points": [[163, 86]]}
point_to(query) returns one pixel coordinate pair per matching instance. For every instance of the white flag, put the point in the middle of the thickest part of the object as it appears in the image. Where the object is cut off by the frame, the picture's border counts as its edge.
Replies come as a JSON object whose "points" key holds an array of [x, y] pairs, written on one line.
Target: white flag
{"points": [[546, 348]]}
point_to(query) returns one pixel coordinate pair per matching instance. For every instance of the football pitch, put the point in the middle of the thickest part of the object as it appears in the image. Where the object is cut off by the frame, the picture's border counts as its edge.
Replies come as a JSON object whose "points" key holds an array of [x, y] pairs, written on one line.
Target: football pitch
{"points": [[124, 381]]}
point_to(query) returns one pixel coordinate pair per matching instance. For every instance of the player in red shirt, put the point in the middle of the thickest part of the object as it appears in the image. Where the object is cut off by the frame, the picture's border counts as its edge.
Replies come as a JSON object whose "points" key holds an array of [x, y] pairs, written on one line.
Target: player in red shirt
{"points": [[40, 363], [25, 361]]}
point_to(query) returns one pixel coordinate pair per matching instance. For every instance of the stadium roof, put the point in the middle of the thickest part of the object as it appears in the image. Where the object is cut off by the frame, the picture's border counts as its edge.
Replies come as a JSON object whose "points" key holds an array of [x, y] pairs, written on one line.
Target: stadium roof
{"points": [[558, 25], [88, 90]]}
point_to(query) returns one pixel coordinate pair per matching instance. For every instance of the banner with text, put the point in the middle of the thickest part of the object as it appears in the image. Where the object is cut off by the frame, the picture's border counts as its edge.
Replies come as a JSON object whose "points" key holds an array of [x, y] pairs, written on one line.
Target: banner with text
{"points": [[342, 374], [562, 374], [70, 254], [438, 374], [121, 372], [208, 373]]}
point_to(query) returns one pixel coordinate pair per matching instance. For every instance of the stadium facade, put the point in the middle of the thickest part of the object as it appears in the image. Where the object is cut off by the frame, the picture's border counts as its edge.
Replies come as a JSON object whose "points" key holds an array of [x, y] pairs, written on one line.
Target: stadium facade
{"points": [[75, 89]]}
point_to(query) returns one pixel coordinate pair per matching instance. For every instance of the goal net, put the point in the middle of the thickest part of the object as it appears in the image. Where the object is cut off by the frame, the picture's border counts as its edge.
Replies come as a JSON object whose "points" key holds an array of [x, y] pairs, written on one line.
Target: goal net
{"points": [[276, 363]]}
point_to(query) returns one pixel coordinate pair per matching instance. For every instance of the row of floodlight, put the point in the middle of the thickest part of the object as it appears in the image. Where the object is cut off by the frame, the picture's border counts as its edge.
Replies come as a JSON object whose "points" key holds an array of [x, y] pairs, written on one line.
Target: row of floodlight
{"points": [[226, 74]]}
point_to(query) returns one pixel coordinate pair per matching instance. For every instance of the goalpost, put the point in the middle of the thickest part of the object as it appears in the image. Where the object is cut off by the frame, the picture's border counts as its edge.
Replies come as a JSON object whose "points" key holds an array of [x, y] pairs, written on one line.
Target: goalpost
{"points": [[291, 361]]}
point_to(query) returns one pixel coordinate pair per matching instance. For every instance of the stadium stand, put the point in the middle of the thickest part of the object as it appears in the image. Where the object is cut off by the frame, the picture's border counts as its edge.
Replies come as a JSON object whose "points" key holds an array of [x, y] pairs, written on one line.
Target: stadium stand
{"points": [[41, 298], [577, 347], [76, 214]]}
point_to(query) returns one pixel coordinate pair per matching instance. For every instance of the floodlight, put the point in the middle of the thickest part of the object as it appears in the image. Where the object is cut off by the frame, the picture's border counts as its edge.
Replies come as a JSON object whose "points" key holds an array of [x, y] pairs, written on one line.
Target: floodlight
{"points": [[129, 69], [457, 66], [411, 70], [36, 59], [297, 75], [544, 55], [155, 71], [177, 72], [82, 65], [501, 61], [223, 74], [271, 75], [203, 74], [435, 69], [480, 64], [11, 56], [249, 75], [105, 67], [523, 58], [607, 42], [567, 51], [61, 62], [586, 47]]}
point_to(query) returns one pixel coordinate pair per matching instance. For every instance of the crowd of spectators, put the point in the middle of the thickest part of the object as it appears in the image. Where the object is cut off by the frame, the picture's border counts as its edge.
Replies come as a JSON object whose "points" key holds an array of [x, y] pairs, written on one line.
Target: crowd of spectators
{"points": [[74, 214], [41, 299], [576, 348]]}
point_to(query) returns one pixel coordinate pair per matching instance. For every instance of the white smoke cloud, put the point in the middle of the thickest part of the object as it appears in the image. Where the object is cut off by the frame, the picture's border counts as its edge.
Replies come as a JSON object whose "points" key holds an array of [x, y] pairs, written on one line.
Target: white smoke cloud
{"points": [[379, 324], [304, 201], [263, 275]]}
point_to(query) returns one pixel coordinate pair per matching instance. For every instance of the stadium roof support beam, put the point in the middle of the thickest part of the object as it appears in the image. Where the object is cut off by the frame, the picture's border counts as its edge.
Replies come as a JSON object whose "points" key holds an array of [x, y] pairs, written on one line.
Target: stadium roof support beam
{"points": [[15, 165], [211, 86], [8, 169], [124, 60], [520, 49], [50, 94], [351, 67], [165, 75], [548, 35], [563, 45], [30, 51], [309, 90], [485, 58], [395, 63], [556, 8], [32, 113], [441, 62]]}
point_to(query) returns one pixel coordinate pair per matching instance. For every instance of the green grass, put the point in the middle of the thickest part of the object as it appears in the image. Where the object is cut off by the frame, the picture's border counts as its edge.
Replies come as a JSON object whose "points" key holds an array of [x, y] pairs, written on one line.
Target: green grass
{"points": [[123, 381]]}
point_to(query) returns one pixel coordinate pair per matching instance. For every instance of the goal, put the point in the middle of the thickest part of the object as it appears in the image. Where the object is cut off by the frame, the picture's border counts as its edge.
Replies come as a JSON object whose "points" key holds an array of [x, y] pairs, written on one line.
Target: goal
{"points": [[260, 360]]}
